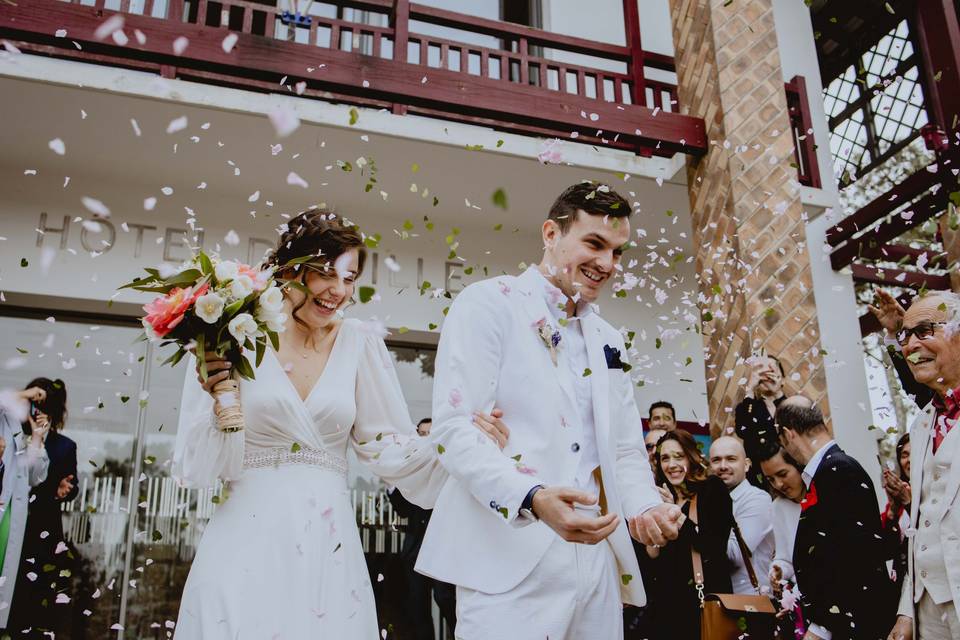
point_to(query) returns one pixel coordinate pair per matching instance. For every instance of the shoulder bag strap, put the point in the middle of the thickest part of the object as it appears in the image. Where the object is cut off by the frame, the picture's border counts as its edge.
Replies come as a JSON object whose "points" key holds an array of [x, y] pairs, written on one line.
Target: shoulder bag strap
{"points": [[697, 560], [745, 553]]}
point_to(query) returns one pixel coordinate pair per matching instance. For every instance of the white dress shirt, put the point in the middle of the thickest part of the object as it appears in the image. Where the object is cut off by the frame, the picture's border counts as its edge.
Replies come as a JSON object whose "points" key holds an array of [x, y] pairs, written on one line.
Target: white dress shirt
{"points": [[809, 472], [753, 511], [811, 469], [786, 519], [573, 363]]}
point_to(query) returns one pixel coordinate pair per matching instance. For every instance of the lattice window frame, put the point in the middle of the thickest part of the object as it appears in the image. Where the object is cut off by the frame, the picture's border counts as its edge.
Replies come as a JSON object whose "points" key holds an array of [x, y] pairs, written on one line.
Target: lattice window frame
{"points": [[869, 145]]}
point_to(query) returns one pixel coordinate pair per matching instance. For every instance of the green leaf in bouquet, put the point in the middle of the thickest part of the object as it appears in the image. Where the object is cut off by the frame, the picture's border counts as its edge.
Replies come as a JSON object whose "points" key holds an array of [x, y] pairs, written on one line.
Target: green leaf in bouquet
{"points": [[243, 368], [206, 266], [176, 357], [201, 356], [187, 277], [299, 286], [274, 340], [232, 309], [261, 349]]}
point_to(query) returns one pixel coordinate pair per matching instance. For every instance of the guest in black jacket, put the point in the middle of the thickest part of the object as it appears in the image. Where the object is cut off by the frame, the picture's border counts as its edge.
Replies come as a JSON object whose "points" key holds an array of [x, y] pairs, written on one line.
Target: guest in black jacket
{"points": [[44, 548], [840, 555], [668, 571]]}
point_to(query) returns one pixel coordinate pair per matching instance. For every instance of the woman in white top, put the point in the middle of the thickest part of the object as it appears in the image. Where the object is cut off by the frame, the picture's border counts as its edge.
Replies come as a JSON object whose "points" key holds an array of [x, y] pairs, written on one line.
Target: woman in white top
{"points": [[784, 475], [281, 557]]}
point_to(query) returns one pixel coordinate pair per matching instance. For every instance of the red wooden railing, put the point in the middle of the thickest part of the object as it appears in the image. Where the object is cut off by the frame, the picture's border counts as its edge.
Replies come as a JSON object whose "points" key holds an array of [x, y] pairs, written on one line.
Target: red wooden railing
{"points": [[521, 86]]}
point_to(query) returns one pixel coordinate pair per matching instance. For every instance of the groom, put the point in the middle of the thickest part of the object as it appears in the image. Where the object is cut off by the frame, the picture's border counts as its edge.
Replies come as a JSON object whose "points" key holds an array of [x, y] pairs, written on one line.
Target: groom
{"points": [[533, 535]]}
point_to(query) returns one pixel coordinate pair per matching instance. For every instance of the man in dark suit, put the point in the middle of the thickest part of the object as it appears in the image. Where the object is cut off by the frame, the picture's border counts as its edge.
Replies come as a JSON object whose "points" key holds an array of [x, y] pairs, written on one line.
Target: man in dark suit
{"points": [[838, 556], [418, 585]]}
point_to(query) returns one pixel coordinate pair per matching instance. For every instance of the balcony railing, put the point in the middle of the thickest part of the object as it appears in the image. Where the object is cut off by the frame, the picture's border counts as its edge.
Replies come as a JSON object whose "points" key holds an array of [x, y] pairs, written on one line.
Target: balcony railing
{"points": [[534, 82]]}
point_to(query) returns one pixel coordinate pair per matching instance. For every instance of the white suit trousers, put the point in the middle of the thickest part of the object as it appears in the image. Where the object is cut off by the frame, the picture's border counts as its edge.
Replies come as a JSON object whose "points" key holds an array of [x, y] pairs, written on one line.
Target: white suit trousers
{"points": [[936, 621], [572, 594]]}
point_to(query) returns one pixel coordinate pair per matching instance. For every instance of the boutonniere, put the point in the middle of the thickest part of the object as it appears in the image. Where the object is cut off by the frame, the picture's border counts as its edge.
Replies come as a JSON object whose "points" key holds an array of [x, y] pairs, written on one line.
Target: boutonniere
{"points": [[549, 336]]}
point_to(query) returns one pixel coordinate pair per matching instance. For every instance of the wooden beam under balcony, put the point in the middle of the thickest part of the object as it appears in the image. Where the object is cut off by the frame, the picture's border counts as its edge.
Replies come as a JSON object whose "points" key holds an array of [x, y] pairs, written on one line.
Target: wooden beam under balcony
{"points": [[898, 277], [256, 59]]}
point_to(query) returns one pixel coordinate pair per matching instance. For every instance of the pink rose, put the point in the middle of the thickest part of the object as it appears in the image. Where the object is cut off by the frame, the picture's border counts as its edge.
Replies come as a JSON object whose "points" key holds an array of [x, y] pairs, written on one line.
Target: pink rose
{"points": [[166, 312]]}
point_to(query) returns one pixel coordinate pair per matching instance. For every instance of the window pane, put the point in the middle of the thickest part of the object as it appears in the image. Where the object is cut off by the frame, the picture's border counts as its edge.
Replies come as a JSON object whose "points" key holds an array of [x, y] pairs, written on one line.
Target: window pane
{"points": [[101, 368]]}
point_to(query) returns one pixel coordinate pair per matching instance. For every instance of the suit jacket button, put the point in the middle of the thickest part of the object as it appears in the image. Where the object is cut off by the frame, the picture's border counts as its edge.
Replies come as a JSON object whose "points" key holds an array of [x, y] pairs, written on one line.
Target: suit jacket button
{"points": [[575, 447], [493, 504]]}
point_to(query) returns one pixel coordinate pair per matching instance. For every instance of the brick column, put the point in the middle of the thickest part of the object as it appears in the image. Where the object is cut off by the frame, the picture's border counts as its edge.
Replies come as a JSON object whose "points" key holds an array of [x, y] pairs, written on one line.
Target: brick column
{"points": [[749, 233]]}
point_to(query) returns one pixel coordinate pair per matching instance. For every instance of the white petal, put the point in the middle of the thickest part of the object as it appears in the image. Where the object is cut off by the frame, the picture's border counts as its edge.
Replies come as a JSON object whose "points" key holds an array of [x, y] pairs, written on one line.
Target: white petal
{"points": [[180, 45], [229, 42], [294, 179], [56, 145]]}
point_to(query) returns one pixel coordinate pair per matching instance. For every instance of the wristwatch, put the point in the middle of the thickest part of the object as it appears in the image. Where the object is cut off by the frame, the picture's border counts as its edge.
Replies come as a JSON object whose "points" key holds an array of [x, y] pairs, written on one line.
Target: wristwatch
{"points": [[526, 507]]}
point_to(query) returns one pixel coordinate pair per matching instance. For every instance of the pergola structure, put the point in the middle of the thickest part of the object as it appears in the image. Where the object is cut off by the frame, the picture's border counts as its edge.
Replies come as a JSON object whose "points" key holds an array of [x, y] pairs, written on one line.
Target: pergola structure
{"points": [[892, 72]]}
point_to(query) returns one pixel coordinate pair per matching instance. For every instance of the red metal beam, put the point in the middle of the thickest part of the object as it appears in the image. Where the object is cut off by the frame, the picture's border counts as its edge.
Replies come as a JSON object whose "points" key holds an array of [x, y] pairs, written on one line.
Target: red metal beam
{"points": [[898, 278], [907, 255], [924, 209], [804, 145], [631, 22], [938, 32], [880, 206], [260, 58]]}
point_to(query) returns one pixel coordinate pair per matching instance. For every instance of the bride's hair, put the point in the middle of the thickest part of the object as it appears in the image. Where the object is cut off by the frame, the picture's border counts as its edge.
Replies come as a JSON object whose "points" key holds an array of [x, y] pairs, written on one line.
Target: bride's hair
{"points": [[319, 233]]}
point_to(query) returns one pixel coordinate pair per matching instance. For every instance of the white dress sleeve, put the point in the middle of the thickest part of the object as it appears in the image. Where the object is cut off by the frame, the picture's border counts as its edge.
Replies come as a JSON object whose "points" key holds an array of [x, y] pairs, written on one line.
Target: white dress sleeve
{"points": [[203, 453], [383, 436]]}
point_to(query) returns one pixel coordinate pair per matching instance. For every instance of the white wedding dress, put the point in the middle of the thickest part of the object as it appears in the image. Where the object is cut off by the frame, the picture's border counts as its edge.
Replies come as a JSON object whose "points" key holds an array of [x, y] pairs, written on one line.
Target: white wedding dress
{"points": [[281, 557]]}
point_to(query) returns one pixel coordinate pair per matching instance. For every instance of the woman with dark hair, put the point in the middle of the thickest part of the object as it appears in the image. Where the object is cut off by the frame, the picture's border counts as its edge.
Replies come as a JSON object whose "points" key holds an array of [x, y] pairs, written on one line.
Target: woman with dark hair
{"points": [[895, 519], [754, 414], [281, 557], [668, 571], [35, 599], [785, 477], [23, 464]]}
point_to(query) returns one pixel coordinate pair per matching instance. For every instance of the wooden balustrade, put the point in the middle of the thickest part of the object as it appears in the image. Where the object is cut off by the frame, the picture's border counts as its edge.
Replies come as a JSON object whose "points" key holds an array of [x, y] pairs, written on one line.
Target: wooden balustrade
{"points": [[528, 83]]}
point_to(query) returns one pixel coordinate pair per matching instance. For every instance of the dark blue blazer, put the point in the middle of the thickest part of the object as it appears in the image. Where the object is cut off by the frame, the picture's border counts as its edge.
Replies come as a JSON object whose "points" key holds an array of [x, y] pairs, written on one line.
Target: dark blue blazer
{"points": [[44, 505]]}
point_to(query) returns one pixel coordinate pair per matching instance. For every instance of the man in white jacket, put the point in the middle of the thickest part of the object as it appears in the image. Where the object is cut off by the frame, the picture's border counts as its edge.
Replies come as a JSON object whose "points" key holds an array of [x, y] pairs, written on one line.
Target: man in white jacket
{"points": [[930, 339], [533, 535]]}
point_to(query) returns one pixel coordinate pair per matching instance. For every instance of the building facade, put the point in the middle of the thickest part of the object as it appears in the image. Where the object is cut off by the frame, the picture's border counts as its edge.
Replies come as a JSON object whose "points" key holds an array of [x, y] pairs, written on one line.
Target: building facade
{"points": [[134, 130]]}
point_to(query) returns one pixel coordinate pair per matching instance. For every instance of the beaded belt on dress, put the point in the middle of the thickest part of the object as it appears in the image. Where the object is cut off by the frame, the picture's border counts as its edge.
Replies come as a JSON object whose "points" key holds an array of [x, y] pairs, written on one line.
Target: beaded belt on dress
{"points": [[303, 455]]}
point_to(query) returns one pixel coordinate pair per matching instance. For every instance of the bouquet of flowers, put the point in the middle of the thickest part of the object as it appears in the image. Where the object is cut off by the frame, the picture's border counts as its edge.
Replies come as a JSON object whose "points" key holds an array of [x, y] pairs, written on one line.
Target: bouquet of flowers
{"points": [[219, 306]]}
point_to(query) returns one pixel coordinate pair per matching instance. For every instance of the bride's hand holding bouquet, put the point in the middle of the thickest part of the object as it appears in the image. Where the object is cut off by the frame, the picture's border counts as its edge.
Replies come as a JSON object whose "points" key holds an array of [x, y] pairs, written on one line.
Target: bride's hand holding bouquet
{"points": [[219, 310]]}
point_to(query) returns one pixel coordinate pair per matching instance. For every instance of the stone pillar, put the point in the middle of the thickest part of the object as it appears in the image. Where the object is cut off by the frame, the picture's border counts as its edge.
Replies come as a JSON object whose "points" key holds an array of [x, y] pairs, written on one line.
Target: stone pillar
{"points": [[756, 290]]}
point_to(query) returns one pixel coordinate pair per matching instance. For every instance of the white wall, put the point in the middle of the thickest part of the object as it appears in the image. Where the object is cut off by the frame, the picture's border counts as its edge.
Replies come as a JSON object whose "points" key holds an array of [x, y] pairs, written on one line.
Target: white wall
{"points": [[106, 160]]}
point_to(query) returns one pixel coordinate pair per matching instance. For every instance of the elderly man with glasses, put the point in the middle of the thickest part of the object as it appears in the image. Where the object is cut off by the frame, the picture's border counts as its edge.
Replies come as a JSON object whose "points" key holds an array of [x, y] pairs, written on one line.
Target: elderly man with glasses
{"points": [[930, 340]]}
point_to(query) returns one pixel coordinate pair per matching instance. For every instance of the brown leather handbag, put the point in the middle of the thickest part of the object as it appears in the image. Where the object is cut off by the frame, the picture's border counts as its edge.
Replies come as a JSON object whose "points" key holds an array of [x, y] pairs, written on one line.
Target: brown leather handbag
{"points": [[733, 616]]}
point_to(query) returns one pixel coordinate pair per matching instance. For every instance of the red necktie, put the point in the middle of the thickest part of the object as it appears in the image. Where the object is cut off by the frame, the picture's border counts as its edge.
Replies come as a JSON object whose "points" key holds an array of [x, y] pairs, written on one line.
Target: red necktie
{"points": [[948, 411]]}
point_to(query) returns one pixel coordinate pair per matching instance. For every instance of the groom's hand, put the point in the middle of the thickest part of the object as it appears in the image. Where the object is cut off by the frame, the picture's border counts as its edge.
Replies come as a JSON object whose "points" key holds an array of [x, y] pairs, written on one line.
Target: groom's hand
{"points": [[555, 506], [657, 526]]}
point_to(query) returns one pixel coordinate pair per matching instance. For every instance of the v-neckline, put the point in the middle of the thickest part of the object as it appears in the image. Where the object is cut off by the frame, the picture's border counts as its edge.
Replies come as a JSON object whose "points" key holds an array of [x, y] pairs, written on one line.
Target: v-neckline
{"points": [[316, 383]]}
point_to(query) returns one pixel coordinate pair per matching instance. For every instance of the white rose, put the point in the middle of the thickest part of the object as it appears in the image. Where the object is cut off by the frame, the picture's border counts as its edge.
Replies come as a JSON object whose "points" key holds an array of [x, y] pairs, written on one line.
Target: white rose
{"points": [[243, 326], [272, 300], [209, 307], [275, 321], [226, 270], [241, 287]]}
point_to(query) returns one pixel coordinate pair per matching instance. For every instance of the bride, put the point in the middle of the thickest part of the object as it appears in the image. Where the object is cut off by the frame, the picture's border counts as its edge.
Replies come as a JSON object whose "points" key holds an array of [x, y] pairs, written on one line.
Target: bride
{"points": [[281, 557]]}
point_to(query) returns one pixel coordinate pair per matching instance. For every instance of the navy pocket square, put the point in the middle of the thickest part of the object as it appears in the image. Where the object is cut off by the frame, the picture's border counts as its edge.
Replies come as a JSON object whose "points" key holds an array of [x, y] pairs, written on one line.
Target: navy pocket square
{"points": [[612, 355]]}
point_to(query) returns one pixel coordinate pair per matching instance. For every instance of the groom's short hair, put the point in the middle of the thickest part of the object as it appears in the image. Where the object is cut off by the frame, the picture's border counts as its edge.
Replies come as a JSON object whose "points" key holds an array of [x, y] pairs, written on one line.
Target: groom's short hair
{"points": [[595, 198]]}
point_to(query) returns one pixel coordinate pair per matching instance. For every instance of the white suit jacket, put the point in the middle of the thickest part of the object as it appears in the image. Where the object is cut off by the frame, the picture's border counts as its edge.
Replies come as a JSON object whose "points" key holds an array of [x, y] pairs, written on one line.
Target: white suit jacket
{"points": [[491, 355], [920, 434]]}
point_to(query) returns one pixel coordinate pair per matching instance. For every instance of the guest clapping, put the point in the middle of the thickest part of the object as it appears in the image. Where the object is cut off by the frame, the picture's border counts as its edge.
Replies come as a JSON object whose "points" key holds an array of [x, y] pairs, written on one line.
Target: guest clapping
{"points": [[754, 415], [668, 571], [895, 518]]}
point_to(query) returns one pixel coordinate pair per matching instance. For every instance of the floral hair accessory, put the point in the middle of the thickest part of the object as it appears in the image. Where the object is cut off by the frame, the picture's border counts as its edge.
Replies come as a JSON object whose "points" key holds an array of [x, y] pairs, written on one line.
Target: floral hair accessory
{"points": [[550, 337]]}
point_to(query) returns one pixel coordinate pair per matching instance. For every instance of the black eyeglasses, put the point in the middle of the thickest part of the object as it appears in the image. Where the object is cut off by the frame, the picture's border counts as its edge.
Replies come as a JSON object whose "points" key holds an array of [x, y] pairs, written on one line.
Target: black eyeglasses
{"points": [[922, 331]]}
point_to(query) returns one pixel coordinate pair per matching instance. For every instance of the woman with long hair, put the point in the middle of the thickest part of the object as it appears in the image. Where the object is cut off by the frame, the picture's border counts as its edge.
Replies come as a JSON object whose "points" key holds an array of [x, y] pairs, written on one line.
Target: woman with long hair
{"points": [[895, 519], [668, 571], [44, 547], [785, 477], [23, 465], [281, 557]]}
